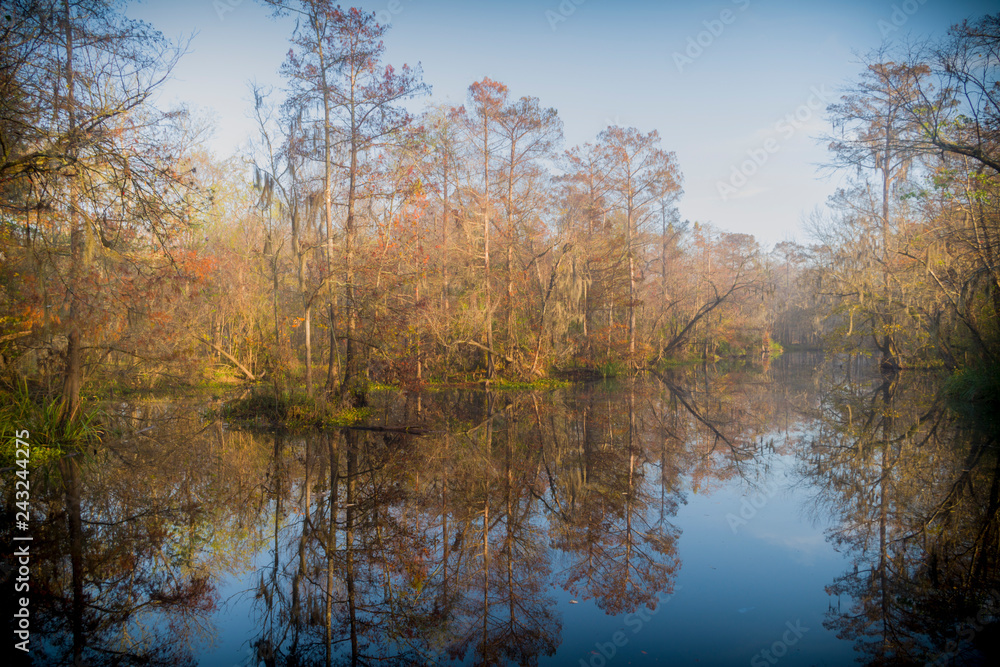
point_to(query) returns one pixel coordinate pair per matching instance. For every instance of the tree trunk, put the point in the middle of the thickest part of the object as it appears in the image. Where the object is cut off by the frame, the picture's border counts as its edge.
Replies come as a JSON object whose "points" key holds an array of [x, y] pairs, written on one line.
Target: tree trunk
{"points": [[631, 286], [490, 363], [308, 326], [351, 381], [73, 378]]}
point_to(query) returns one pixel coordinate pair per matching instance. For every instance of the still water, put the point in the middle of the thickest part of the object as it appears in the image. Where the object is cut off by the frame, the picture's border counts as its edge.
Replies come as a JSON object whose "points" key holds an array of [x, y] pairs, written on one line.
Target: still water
{"points": [[807, 512]]}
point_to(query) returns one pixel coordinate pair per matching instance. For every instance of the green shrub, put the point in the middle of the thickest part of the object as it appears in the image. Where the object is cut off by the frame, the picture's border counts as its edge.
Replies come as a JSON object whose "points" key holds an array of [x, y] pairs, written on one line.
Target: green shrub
{"points": [[611, 369], [292, 411], [978, 384], [49, 435]]}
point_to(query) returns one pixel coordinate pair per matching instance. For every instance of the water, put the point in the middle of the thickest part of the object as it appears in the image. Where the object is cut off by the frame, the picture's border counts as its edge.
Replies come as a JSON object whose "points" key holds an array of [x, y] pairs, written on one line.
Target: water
{"points": [[803, 513]]}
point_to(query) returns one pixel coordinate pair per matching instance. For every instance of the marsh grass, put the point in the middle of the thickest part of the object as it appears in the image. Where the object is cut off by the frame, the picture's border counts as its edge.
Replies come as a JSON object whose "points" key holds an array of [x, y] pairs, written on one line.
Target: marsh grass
{"points": [[290, 411], [974, 392], [49, 435]]}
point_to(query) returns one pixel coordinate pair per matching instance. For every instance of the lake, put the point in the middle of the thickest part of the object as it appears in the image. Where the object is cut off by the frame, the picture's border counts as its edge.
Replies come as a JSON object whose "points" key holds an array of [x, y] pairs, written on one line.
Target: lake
{"points": [[802, 511]]}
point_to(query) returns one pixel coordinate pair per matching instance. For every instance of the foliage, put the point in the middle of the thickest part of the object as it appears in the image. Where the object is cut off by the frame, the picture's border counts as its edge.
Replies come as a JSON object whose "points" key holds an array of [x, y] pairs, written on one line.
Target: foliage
{"points": [[360, 242], [96, 195], [975, 388], [905, 260], [51, 435], [611, 369], [543, 384], [260, 408]]}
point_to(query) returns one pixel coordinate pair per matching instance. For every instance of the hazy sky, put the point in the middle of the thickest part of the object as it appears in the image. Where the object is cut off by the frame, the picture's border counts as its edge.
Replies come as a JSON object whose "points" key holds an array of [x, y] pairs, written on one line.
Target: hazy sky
{"points": [[737, 88]]}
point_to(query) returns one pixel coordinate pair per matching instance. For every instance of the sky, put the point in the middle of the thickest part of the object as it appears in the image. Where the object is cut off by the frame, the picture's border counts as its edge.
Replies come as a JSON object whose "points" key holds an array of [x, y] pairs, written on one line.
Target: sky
{"points": [[738, 89]]}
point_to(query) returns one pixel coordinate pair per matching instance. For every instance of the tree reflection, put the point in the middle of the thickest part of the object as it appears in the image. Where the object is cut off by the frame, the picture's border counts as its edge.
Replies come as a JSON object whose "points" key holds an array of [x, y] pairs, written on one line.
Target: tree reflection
{"points": [[915, 491], [361, 547], [120, 572], [619, 553]]}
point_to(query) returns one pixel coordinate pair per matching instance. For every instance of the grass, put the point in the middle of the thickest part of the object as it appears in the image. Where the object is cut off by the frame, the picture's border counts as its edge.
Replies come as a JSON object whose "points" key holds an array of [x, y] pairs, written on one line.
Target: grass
{"points": [[611, 369], [346, 417], [543, 384], [291, 411], [677, 362], [49, 436], [379, 386], [976, 386], [974, 394]]}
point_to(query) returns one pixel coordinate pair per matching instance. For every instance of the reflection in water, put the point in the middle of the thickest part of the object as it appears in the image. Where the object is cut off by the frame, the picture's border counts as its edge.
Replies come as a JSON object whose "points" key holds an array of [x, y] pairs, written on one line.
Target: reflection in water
{"points": [[619, 550], [125, 549], [356, 547], [915, 494]]}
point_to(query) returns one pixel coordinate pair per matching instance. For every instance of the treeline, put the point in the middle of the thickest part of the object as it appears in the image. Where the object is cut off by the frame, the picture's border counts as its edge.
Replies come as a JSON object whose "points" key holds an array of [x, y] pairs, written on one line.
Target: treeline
{"points": [[905, 259], [355, 242], [358, 241]]}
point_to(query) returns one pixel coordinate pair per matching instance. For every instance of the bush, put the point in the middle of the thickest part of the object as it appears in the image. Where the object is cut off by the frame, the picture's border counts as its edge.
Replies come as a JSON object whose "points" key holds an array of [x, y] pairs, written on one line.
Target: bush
{"points": [[293, 411], [50, 436], [975, 385]]}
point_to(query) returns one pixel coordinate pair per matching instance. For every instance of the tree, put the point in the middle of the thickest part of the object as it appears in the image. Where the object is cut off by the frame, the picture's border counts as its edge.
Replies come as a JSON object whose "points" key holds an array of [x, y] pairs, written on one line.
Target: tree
{"points": [[339, 65], [487, 99], [583, 198], [924, 119], [82, 148], [874, 128], [530, 133], [440, 171], [951, 97], [949, 91], [641, 174]]}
